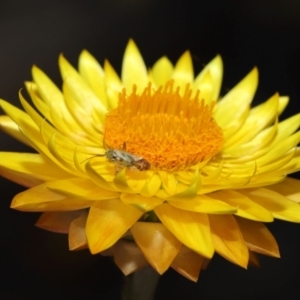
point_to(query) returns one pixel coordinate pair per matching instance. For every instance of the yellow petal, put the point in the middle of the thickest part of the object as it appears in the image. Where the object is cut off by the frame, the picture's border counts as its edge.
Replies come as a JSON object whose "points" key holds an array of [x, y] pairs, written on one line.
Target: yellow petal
{"points": [[280, 206], [237, 100], [141, 202], [204, 204], [93, 74], [162, 71], [10, 127], [107, 222], [290, 188], [215, 70], [113, 85], [191, 228], [128, 257], [188, 263], [253, 259], [57, 221], [40, 198], [32, 166], [157, 243], [228, 240], [81, 187], [183, 71], [246, 208], [77, 236], [134, 70], [258, 238]]}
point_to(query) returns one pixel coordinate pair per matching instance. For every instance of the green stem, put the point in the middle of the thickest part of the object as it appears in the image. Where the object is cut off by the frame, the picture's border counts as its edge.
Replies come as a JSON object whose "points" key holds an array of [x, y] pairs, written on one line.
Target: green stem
{"points": [[140, 285]]}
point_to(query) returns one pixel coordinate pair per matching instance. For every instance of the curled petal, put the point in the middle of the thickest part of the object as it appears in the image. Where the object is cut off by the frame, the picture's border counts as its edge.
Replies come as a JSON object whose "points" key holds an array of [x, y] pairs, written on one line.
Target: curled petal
{"points": [[77, 235]]}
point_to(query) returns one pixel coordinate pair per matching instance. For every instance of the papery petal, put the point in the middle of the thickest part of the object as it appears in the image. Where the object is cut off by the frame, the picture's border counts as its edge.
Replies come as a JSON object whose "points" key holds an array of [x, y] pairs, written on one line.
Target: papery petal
{"points": [[280, 206], [258, 238], [40, 198], [162, 71], [290, 188], [188, 263], [191, 228], [141, 202], [228, 240], [77, 235], [57, 221], [107, 222], [128, 257], [157, 243]]}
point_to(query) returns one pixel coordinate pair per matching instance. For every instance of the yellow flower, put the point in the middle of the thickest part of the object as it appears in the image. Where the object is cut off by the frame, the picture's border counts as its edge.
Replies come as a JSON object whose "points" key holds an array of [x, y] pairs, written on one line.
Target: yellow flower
{"points": [[155, 168]]}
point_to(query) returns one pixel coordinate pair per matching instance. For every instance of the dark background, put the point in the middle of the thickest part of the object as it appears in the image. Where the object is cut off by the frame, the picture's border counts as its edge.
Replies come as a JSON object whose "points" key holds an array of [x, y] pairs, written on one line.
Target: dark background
{"points": [[36, 264]]}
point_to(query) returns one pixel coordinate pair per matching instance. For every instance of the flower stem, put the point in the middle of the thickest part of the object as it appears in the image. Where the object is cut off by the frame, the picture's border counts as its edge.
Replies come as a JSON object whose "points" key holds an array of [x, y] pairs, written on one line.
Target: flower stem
{"points": [[140, 285]]}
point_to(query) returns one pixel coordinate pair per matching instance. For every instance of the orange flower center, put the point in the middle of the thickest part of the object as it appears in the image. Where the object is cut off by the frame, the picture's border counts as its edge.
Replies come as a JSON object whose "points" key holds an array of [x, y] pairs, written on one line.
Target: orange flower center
{"points": [[171, 131]]}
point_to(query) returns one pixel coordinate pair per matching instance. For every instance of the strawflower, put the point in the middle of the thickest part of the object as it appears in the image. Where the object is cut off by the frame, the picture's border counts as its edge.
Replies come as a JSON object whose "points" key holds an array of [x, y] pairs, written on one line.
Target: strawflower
{"points": [[154, 167]]}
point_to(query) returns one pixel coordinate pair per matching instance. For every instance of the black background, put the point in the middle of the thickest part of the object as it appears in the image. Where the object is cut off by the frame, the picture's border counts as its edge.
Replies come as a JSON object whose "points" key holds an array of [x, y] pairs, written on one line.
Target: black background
{"points": [[36, 264]]}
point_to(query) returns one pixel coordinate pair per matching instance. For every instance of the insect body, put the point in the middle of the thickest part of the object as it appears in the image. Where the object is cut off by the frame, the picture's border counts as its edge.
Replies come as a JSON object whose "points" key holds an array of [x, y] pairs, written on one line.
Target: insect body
{"points": [[123, 159]]}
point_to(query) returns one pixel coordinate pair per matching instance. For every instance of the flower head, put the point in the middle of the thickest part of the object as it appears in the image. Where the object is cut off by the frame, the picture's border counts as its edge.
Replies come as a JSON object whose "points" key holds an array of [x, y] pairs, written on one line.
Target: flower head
{"points": [[155, 168]]}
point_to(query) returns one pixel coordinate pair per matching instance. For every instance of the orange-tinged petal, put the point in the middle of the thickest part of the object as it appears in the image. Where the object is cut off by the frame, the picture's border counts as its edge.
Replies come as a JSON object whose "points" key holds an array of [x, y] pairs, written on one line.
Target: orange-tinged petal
{"points": [[246, 208], [128, 257], [107, 222], [81, 187], [77, 235], [40, 198], [289, 187], [157, 243], [57, 221], [253, 259], [228, 240], [191, 228], [188, 263], [258, 238], [141, 202], [280, 206]]}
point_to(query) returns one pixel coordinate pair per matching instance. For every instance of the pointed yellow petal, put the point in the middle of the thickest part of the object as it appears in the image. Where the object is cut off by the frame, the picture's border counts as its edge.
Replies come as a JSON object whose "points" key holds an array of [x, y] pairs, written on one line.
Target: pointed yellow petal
{"points": [[81, 187], [183, 71], [157, 243], [32, 166], [228, 240], [204, 204], [236, 100], [188, 263], [93, 74], [134, 70], [141, 202], [162, 71], [215, 70], [40, 198], [246, 208], [280, 206], [107, 222], [77, 236], [289, 187], [57, 221], [128, 257], [113, 85], [191, 228], [10, 127], [258, 238]]}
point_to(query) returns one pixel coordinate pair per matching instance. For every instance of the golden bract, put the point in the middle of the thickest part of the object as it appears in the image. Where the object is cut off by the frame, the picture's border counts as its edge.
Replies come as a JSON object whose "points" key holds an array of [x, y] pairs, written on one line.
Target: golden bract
{"points": [[218, 166]]}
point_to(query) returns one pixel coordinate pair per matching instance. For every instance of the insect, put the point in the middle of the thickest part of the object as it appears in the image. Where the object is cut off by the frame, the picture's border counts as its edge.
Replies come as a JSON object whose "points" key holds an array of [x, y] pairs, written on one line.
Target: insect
{"points": [[123, 159]]}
